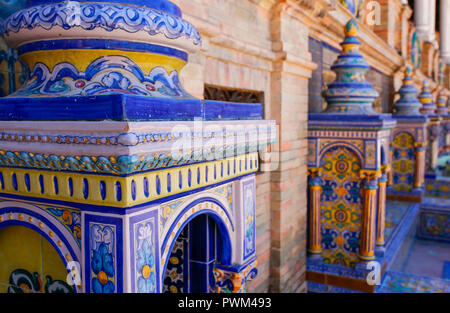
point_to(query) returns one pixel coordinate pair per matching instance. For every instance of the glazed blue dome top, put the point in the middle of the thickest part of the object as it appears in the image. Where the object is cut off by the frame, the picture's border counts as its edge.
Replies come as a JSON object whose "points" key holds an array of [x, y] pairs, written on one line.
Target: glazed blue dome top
{"points": [[163, 5]]}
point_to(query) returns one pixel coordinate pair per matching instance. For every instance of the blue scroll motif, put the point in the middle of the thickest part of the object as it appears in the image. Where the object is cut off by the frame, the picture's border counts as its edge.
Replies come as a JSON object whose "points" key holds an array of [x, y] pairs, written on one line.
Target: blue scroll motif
{"points": [[106, 75], [107, 16]]}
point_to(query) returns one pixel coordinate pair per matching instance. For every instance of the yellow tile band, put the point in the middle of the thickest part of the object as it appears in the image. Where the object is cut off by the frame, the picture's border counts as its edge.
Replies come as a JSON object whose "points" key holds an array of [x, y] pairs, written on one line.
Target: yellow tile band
{"points": [[135, 190], [81, 59]]}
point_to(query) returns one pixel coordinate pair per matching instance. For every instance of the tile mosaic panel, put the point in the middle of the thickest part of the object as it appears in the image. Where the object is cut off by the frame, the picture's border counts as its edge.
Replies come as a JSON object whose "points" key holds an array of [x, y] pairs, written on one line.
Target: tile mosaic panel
{"points": [[437, 188], [434, 224], [249, 218], [145, 256], [103, 245], [403, 162], [144, 252], [176, 272], [30, 264], [102, 255], [341, 206]]}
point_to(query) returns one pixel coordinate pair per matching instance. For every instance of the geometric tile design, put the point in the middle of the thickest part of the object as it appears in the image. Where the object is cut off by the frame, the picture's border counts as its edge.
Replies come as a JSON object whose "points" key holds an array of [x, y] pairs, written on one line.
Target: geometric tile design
{"points": [[404, 161], [438, 188], [341, 206], [174, 278], [434, 224]]}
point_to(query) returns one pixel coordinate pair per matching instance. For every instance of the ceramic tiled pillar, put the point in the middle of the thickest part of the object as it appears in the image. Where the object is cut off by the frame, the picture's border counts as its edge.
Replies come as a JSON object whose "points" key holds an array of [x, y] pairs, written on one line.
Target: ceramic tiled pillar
{"points": [[433, 129], [409, 143], [381, 209], [104, 130], [349, 146], [419, 176]]}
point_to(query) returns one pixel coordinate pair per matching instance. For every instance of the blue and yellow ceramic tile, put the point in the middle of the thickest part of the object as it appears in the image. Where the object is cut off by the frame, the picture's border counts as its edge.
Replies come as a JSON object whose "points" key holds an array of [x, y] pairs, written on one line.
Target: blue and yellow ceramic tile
{"points": [[416, 50], [403, 162], [124, 191], [21, 248], [174, 278], [30, 262], [144, 243], [102, 278], [341, 206], [350, 5]]}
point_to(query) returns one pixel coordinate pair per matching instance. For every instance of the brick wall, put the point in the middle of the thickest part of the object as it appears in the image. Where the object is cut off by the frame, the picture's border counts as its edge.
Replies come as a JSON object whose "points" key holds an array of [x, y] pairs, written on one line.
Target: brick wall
{"points": [[261, 46]]}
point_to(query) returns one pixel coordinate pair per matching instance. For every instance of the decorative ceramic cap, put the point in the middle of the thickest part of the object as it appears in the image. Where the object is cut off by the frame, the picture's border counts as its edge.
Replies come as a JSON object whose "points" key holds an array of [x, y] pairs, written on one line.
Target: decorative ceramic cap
{"points": [[350, 93], [162, 5], [441, 104], [90, 48], [426, 98], [408, 104]]}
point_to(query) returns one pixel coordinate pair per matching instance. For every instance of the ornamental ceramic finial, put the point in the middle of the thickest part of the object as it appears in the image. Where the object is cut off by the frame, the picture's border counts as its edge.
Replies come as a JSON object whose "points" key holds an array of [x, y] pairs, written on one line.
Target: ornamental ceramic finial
{"points": [[408, 104], [91, 48], [350, 93], [441, 104], [426, 98]]}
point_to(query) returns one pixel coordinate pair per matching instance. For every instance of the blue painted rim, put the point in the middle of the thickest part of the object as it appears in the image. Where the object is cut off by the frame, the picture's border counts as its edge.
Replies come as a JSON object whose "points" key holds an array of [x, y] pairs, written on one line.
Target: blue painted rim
{"points": [[123, 108], [86, 44]]}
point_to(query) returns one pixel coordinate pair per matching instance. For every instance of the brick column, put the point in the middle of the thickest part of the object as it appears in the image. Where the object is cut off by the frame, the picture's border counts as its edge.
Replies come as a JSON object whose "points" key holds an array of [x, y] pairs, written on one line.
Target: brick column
{"points": [[289, 106], [389, 28], [445, 30], [427, 63]]}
